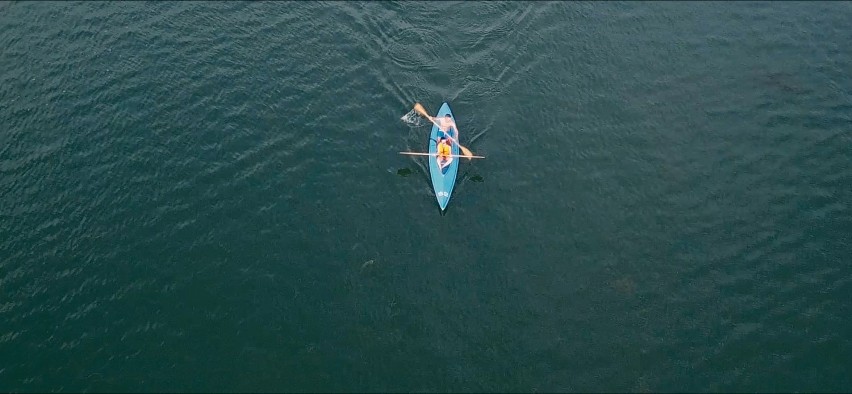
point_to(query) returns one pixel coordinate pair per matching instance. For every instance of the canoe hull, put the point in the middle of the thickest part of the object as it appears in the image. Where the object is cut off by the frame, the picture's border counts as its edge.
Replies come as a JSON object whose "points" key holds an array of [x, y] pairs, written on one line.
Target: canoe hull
{"points": [[443, 181]]}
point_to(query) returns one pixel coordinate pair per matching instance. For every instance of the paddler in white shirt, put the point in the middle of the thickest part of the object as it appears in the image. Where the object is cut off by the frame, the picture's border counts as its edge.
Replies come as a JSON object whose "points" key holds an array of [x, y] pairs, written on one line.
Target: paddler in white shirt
{"points": [[446, 127]]}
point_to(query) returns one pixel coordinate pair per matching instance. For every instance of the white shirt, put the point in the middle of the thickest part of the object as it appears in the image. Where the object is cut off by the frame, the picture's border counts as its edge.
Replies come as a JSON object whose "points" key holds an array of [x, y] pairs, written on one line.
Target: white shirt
{"points": [[445, 123]]}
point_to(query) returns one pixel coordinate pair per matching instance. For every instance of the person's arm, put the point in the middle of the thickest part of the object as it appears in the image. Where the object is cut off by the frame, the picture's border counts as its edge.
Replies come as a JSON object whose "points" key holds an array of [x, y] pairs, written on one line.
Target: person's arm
{"points": [[452, 126]]}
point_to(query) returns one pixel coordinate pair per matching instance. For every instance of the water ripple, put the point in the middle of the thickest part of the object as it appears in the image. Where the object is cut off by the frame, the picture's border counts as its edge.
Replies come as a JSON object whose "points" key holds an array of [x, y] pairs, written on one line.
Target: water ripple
{"points": [[664, 198]]}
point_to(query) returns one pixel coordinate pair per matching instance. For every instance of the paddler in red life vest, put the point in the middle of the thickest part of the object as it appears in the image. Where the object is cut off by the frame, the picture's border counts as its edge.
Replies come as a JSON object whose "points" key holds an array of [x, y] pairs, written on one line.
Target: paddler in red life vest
{"points": [[445, 152]]}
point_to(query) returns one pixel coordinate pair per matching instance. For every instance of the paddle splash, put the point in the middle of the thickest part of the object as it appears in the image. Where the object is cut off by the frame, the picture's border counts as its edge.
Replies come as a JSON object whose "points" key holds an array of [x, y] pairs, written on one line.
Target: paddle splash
{"points": [[412, 119]]}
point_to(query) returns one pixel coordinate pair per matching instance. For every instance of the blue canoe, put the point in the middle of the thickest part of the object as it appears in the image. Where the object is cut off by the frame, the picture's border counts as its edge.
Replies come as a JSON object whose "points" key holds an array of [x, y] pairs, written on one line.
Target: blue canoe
{"points": [[443, 181]]}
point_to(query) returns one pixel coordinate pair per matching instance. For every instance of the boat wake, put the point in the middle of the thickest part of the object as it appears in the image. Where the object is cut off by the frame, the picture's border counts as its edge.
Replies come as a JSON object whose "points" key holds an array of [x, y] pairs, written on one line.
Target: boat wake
{"points": [[412, 119]]}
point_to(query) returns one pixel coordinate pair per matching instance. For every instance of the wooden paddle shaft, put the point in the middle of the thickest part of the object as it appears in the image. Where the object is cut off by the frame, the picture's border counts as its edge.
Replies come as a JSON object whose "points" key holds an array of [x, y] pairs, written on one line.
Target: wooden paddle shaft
{"points": [[435, 154]]}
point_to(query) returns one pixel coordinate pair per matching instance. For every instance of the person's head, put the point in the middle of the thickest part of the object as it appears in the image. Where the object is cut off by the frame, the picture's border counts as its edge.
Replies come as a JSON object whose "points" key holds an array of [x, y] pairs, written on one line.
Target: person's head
{"points": [[448, 116], [442, 140]]}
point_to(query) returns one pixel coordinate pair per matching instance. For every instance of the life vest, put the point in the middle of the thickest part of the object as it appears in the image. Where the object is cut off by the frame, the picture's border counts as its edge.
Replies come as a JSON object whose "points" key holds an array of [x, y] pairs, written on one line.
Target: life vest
{"points": [[444, 150]]}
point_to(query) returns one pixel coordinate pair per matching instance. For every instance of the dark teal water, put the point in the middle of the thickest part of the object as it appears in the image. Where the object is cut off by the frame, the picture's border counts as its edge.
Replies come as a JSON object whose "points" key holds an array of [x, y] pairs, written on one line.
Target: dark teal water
{"points": [[207, 196]]}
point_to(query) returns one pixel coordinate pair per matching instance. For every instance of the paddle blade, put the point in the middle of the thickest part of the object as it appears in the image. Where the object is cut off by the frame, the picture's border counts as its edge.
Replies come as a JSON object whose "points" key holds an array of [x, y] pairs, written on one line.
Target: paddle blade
{"points": [[420, 110], [467, 152]]}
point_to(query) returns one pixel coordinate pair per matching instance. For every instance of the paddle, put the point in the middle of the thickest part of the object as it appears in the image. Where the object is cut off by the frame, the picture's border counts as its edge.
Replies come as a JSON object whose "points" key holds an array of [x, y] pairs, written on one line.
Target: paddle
{"points": [[435, 154], [422, 111]]}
